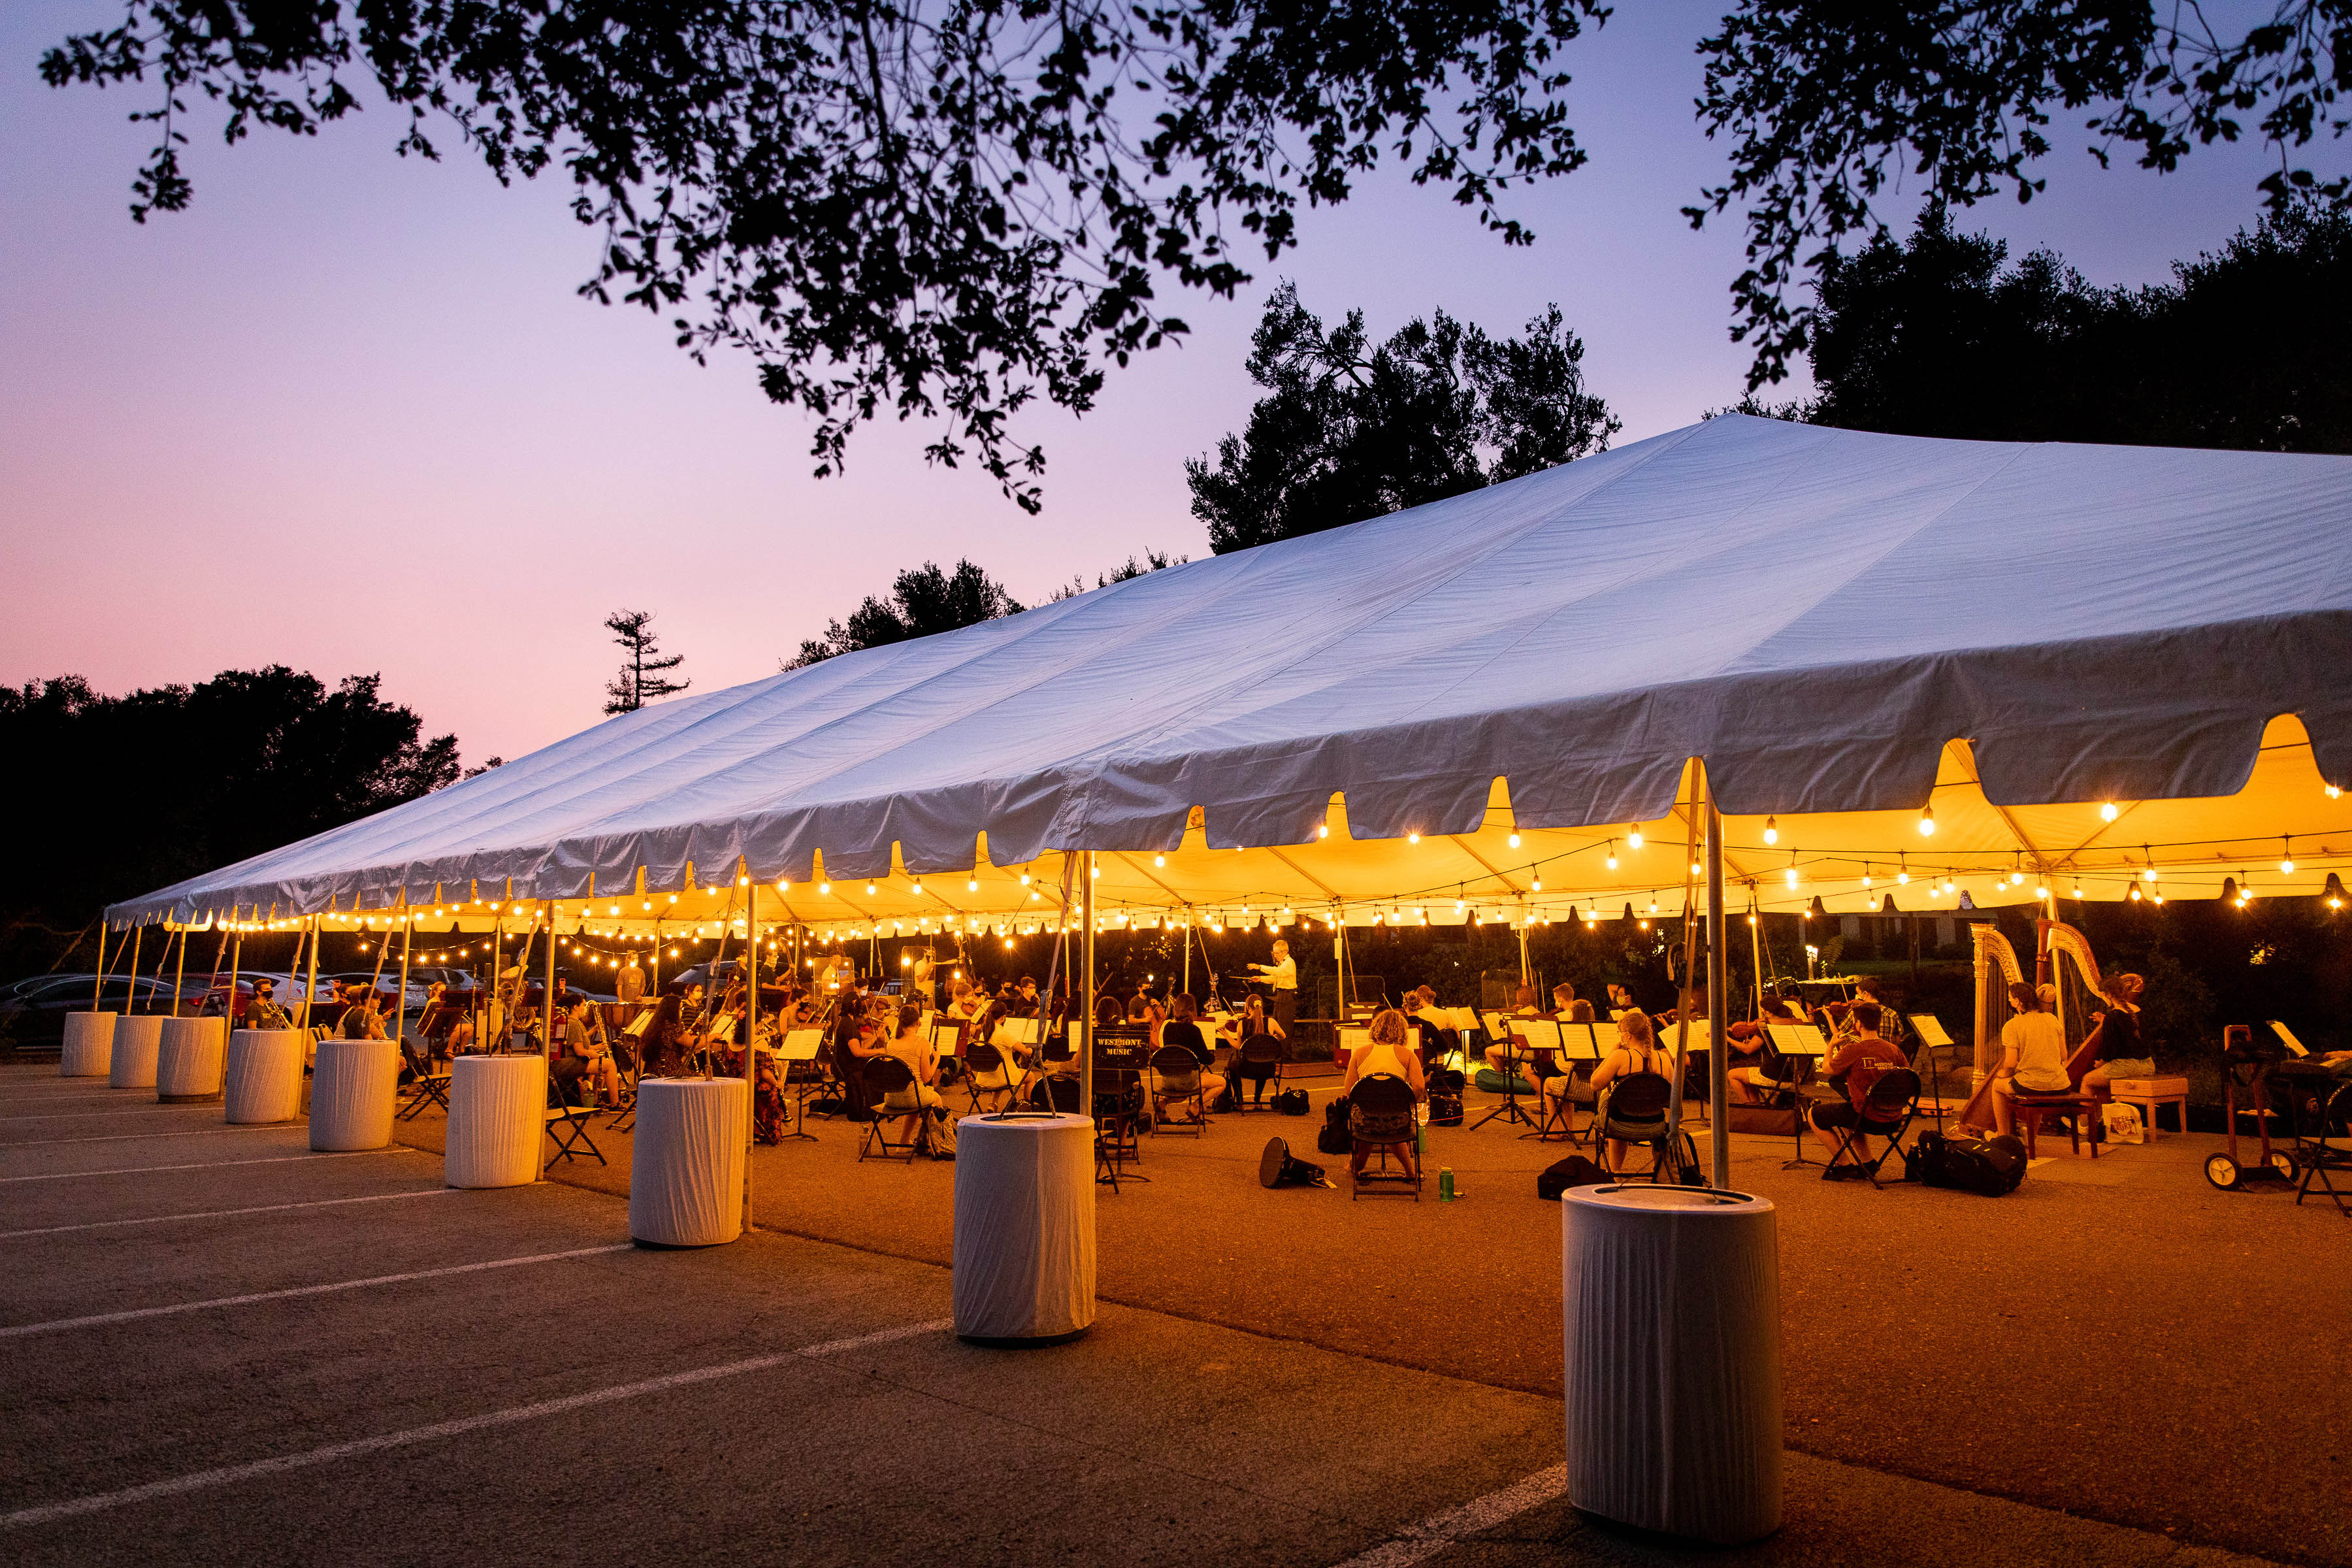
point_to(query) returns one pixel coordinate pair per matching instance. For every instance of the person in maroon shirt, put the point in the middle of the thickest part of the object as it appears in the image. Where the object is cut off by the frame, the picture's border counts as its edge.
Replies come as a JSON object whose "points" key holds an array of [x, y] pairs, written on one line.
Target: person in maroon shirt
{"points": [[1854, 1066]]}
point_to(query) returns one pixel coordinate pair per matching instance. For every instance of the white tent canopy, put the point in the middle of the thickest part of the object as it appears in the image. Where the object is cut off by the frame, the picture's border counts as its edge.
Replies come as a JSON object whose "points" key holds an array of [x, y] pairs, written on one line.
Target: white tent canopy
{"points": [[2089, 661]]}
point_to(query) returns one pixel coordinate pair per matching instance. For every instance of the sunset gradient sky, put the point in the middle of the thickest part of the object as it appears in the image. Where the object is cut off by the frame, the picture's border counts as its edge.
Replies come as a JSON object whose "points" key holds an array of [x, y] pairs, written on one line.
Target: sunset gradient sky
{"points": [[347, 412]]}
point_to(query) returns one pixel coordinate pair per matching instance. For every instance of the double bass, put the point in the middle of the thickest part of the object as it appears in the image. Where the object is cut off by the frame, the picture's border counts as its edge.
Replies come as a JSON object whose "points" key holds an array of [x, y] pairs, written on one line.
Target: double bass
{"points": [[2066, 964]]}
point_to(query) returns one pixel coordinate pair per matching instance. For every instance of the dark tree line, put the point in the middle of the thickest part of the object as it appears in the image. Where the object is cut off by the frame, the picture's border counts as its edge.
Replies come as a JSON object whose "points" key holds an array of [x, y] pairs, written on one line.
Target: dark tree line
{"points": [[922, 600], [119, 796], [2247, 347]]}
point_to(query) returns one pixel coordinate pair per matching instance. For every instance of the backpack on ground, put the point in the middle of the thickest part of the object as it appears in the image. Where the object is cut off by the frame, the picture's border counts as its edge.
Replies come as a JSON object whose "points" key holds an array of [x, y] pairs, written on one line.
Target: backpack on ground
{"points": [[1991, 1167], [1576, 1171], [1335, 1137], [1291, 1102], [1445, 1098]]}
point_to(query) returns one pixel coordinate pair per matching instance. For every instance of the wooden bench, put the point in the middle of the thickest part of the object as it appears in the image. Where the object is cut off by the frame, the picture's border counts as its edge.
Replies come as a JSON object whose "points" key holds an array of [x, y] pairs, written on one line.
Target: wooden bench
{"points": [[2148, 1093], [2028, 1110]]}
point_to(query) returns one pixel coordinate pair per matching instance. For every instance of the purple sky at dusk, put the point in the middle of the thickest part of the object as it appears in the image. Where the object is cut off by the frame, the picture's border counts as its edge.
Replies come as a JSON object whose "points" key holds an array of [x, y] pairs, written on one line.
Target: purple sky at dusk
{"points": [[348, 415]]}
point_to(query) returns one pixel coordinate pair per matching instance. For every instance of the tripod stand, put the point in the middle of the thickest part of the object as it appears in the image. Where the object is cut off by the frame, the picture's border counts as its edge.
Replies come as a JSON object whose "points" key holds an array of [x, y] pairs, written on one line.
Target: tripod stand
{"points": [[1509, 1110]]}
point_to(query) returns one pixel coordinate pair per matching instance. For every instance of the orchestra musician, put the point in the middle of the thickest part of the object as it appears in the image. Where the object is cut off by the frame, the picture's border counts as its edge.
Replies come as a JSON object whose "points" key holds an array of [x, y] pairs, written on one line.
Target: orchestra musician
{"points": [[1523, 1005], [1853, 1066], [1556, 1079], [1281, 979], [2122, 1052], [2033, 1055]]}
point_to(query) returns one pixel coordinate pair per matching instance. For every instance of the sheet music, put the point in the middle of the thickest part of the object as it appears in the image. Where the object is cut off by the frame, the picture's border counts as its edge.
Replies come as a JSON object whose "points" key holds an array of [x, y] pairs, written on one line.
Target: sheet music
{"points": [[1797, 1040], [2286, 1038], [1930, 1028], [1617, 1014], [1498, 1027], [1542, 1034], [800, 1045], [1580, 1041], [1702, 1035], [1352, 1041], [1026, 1031], [1604, 1036]]}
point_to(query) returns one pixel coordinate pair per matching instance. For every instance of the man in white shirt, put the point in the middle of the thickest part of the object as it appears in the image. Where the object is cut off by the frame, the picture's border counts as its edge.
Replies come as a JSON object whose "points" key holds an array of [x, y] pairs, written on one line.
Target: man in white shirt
{"points": [[1281, 979], [631, 985]]}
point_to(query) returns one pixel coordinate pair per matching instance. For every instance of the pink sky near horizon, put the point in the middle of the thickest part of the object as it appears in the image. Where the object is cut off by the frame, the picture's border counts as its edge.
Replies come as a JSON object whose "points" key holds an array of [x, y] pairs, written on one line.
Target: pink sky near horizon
{"points": [[347, 413]]}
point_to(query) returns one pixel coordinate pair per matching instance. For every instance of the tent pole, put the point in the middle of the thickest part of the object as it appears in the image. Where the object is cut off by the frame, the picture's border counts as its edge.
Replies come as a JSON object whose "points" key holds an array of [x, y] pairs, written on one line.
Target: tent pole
{"points": [[1755, 946], [1527, 916], [310, 986], [1719, 1092], [130, 996], [180, 976], [407, 929], [98, 990], [751, 1035], [235, 962], [1086, 992], [1683, 997], [1188, 948]]}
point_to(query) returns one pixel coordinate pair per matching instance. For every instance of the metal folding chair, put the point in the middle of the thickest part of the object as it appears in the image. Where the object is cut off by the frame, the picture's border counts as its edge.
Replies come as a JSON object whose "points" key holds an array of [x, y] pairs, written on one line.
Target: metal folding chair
{"points": [[1886, 1111]]}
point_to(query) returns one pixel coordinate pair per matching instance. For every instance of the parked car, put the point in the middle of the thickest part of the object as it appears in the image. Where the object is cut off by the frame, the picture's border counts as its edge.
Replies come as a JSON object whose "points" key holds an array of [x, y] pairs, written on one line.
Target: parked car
{"points": [[33, 1010]]}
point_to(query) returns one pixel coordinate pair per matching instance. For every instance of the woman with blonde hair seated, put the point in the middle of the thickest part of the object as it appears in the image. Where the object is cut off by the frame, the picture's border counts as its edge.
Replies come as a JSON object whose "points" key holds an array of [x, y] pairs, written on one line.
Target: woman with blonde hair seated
{"points": [[1384, 1053], [1637, 1052]]}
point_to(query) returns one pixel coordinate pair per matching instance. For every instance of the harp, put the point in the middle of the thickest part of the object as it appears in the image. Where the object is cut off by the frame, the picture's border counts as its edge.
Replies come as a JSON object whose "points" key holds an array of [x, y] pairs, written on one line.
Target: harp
{"points": [[1997, 970], [2075, 975]]}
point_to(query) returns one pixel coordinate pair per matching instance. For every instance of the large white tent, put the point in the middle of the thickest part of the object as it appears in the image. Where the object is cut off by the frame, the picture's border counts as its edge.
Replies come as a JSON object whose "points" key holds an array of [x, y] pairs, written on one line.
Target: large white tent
{"points": [[2083, 662]]}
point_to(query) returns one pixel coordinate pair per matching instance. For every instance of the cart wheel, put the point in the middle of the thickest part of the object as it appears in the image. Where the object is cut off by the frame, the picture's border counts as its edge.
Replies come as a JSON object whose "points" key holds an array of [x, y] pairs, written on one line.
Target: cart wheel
{"points": [[2223, 1172], [2284, 1163]]}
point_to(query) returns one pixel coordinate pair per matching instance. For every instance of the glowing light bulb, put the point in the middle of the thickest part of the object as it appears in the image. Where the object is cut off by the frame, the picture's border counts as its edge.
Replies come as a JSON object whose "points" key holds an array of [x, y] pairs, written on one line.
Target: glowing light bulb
{"points": [[1792, 874], [2333, 790], [1095, 873], [1537, 885], [1771, 830], [2107, 811], [1160, 860], [1947, 884], [1024, 878], [2017, 878], [1633, 837], [2134, 895], [869, 889], [1324, 831], [2149, 875], [1613, 859], [1515, 841], [825, 888], [972, 885], [1413, 838], [1902, 879], [1926, 822]]}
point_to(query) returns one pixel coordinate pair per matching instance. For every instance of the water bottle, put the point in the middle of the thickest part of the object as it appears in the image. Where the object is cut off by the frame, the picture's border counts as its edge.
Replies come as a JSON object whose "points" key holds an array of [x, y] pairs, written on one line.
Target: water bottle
{"points": [[1446, 1184]]}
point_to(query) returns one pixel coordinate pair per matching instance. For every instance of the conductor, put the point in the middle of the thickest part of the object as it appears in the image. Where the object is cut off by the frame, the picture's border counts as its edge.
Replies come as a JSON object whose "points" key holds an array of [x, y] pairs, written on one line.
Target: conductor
{"points": [[1281, 978]]}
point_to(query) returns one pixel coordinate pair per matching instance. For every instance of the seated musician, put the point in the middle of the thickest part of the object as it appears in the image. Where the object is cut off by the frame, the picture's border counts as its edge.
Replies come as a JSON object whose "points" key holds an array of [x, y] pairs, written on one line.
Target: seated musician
{"points": [[911, 1044], [2033, 1055], [2121, 1051], [1237, 1031], [1556, 1079], [1523, 1005], [1853, 1066], [1620, 1000], [1384, 1052], [1182, 1028], [1757, 1072], [1024, 998], [585, 1058], [994, 1027], [1637, 1051], [361, 1021], [962, 1001], [1439, 1039]]}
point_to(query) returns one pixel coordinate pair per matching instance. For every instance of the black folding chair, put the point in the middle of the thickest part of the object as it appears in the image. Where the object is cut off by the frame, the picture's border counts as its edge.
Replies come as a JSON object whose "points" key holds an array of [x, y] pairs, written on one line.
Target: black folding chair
{"points": [[1259, 1063], [883, 1077], [984, 1060], [1381, 1117], [428, 1085], [1176, 1080], [1632, 1109], [567, 1123], [1886, 1111]]}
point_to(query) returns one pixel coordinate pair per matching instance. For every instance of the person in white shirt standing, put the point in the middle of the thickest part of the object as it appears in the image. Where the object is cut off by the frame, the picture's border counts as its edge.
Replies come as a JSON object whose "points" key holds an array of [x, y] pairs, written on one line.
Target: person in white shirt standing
{"points": [[1281, 979]]}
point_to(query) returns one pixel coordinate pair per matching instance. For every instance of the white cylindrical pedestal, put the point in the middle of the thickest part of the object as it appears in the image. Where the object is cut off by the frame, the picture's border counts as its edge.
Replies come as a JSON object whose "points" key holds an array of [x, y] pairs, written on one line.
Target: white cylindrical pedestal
{"points": [[265, 1076], [498, 1120], [1672, 1301], [88, 1044], [1024, 1229], [686, 1171], [191, 1058], [136, 1042], [352, 1091]]}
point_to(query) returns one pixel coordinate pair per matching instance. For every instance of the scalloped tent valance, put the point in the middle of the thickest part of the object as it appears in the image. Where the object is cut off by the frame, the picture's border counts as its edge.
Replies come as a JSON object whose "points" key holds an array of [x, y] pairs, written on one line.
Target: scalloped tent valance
{"points": [[1845, 627]]}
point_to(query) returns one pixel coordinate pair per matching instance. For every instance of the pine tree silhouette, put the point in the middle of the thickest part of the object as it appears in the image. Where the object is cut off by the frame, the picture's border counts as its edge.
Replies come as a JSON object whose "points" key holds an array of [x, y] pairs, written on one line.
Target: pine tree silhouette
{"points": [[641, 679]]}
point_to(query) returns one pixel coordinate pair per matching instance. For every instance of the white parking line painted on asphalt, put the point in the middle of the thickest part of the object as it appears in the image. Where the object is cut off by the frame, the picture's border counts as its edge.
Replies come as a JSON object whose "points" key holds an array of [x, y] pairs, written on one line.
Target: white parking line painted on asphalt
{"points": [[208, 1164], [1438, 1531], [57, 1325], [228, 1474], [127, 1137], [69, 1115], [224, 1214]]}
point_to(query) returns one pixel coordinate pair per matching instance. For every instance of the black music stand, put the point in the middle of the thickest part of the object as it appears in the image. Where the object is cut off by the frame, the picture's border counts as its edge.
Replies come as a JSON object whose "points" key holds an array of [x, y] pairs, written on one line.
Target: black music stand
{"points": [[797, 1092], [1121, 1054], [1509, 1110], [1797, 1102]]}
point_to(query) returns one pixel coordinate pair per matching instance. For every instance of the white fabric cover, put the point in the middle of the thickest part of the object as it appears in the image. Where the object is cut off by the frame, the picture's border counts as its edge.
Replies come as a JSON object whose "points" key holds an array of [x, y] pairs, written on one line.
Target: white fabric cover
{"points": [[265, 1076], [1024, 1227], [89, 1045], [1672, 1303], [191, 1058], [353, 1090], [137, 1039], [498, 1120], [685, 1166], [1816, 612]]}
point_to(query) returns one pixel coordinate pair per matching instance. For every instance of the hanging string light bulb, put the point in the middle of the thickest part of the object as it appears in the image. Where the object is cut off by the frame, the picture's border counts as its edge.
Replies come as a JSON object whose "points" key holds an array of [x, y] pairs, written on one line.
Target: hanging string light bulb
{"points": [[1926, 822], [1515, 840], [2286, 859], [1902, 871], [1634, 836], [1771, 830], [1612, 855], [2108, 812]]}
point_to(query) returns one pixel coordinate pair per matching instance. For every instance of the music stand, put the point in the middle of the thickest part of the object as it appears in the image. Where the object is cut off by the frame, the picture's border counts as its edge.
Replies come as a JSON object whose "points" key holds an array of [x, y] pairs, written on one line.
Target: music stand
{"points": [[1930, 1030], [1121, 1057], [798, 1045], [1512, 1031], [1805, 1044]]}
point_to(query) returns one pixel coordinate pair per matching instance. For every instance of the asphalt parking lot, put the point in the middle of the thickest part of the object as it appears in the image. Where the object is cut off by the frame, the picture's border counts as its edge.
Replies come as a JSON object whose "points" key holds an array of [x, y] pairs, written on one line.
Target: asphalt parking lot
{"points": [[217, 1346]]}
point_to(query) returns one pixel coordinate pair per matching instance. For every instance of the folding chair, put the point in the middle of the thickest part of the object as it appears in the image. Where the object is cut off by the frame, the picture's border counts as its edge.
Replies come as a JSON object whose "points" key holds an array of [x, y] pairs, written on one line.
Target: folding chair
{"points": [[1259, 1063], [982, 1059], [428, 1085], [1380, 1118], [883, 1077], [567, 1123], [1633, 1110], [1176, 1080], [1886, 1111]]}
